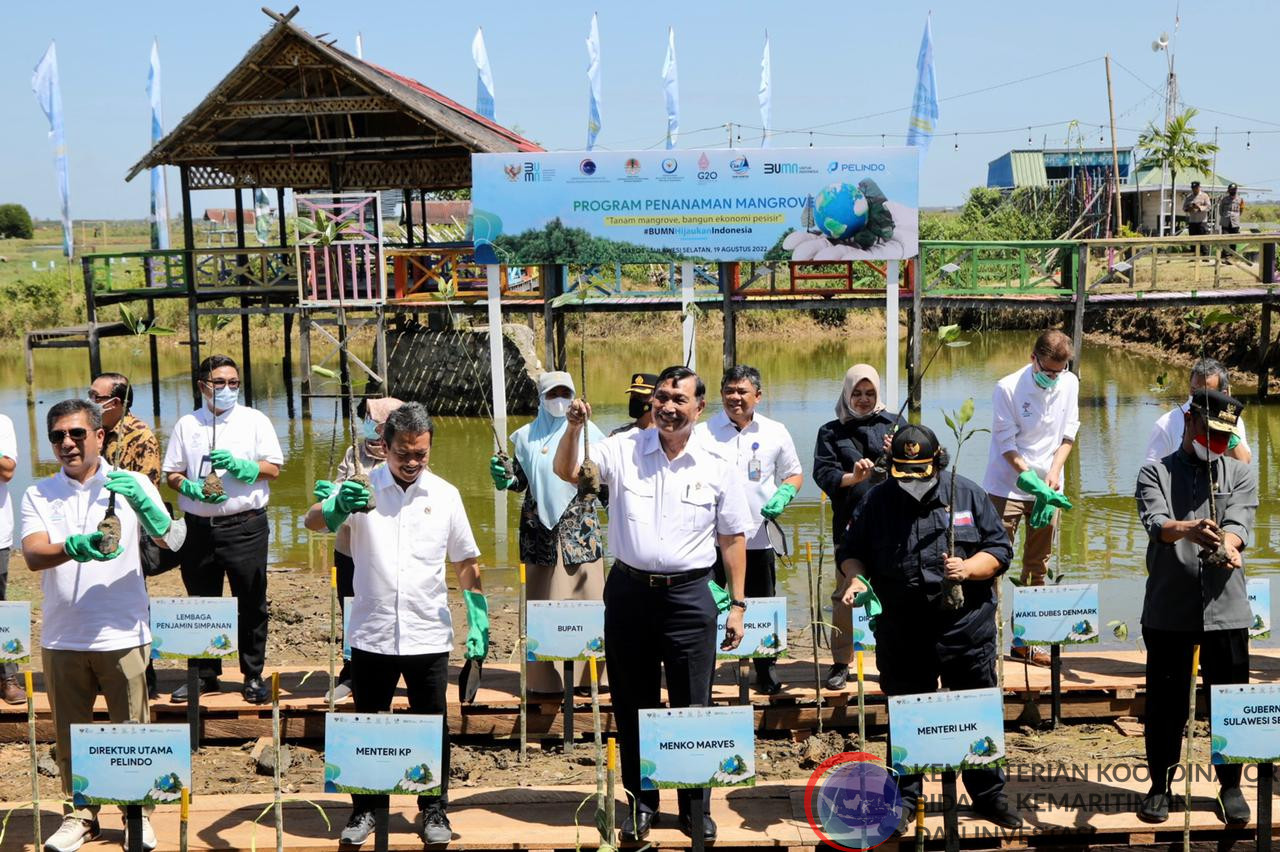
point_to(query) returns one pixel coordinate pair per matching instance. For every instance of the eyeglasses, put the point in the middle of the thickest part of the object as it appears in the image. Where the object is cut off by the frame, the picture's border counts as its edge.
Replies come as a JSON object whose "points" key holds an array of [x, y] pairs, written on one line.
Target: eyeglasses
{"points": [[57, 436], [100, 399], [219, 384], [1053, 374]]}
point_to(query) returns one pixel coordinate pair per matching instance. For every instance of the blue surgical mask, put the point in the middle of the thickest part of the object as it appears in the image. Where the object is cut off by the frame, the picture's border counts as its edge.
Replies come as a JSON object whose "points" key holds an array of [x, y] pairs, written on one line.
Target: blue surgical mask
{"points": [[1043, 380], [371, 430], [225, 398]]}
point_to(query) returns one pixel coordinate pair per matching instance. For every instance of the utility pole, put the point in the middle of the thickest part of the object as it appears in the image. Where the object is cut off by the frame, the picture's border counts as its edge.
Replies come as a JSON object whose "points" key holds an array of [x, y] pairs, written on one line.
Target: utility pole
{"points": [[1115, 156]]}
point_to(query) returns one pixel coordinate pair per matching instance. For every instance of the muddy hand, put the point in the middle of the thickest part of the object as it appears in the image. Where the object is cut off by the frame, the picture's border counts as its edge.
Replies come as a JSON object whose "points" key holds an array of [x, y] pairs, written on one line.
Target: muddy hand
{"points": [[854, 587], [579, 411], [732, 630], [1204, 532], [953, 568]]}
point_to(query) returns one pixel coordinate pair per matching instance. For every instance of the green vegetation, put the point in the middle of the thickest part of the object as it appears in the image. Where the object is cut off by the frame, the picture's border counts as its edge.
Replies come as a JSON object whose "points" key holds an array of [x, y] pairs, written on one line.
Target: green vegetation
{"points": [[1176, 148], [556, 241], [15, 222]]}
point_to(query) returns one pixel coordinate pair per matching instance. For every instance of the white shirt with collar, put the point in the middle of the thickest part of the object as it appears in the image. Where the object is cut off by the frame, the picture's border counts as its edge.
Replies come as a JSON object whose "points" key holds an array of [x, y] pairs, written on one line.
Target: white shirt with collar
{"points": [[764, 441], [1166, 435], [90, 606], [1031, 421], [9, 449], [664, 514], [401, 550], [244, 432]]}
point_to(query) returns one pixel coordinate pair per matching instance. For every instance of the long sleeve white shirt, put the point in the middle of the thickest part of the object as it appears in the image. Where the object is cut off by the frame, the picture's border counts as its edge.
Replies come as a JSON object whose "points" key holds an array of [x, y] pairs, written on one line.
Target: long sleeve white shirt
{"points": [[1032, 422]]}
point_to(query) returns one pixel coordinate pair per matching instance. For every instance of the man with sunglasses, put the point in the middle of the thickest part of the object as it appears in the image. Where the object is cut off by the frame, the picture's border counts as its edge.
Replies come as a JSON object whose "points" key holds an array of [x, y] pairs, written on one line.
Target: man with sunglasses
{"points": [[228, 531], [1034, 419]]}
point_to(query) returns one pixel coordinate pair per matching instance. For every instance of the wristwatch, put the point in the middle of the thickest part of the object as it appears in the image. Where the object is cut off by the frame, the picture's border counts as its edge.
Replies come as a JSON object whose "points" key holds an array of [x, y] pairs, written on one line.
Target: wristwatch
{"points": [[739, 604]]}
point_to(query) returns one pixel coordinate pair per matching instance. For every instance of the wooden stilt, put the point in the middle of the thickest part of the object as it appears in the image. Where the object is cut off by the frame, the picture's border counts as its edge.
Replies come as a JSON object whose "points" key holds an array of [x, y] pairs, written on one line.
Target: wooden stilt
{"points": [[728, 275], [246, 349], [1264, 350], [153, 354], [550, 280], [304, 351], [1077, 315], [915, 336], [287, 363], [189, 277]]}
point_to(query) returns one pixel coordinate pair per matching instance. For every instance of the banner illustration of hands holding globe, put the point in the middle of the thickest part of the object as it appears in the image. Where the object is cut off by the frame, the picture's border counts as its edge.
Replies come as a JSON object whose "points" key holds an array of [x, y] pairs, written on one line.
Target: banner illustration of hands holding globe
{"points": [[804, 204]]}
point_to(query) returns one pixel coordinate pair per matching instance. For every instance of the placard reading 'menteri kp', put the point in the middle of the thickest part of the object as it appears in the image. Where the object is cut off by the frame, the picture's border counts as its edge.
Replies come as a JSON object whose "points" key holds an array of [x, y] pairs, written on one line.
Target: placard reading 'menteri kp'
{"points": [[565, 630], [15, 632], [382, 753], [193, 628], [947, 730], [691, 747], [129, 764], [1055, 615], [1245, 721], [764, 630]]}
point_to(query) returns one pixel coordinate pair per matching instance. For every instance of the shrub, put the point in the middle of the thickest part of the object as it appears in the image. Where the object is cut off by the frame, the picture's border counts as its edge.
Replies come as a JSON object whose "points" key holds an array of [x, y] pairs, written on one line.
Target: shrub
{"points": [[15, 222]]}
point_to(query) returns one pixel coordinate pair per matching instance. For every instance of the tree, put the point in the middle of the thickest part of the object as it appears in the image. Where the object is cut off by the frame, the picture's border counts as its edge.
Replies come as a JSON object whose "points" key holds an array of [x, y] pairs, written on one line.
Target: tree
{"points": [[1176, 148], [15, 222]]}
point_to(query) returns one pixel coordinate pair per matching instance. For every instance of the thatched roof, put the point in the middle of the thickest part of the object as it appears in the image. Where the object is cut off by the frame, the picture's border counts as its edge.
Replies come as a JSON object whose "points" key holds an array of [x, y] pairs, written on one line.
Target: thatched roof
{"points": [[298, 112]]}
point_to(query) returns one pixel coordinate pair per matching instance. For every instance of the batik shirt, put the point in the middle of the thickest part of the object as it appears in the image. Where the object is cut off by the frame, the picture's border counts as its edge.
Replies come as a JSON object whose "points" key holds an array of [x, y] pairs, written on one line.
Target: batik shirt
{"points": [[133, 446]]}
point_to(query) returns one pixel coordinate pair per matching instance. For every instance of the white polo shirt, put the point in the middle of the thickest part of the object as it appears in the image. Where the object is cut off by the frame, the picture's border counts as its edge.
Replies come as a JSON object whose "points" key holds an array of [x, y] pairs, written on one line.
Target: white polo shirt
{"points": [[1032, 421], [91, 606], [664, 515], [244, 432], [763, 453], [1166, 435], [9, 449], [401, 603]]}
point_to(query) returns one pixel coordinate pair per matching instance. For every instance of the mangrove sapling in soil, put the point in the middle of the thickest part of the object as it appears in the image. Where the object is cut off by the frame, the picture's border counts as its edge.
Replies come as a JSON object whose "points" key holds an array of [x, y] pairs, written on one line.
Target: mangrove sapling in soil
{"points": [[952, 592]]}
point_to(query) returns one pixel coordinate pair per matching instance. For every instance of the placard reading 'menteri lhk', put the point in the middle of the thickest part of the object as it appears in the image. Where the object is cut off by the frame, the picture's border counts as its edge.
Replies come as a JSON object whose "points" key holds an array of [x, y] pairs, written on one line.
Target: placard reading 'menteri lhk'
{"points": [[193, 628], [947, 730]]}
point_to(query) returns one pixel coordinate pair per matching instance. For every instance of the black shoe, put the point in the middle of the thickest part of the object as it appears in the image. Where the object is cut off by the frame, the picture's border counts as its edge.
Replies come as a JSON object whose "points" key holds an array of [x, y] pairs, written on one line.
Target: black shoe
{"points": [[906, 818], [207, 685], [998, 811], [708, 826], [1232, 807], [255, 691], [767, 684], [838, 676], [1154, 808], [637, 828]]}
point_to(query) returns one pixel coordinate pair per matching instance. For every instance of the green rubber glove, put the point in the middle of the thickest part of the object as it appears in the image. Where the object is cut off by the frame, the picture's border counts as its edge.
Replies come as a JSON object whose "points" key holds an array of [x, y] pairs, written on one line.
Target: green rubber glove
{"points": [[720, 595], [242, 469], [785, 494], [498, 471], [871, 602], [154, 519], [84, 548], [341, 503], [1048, 501], [323, 488], [477, 625], [193, 490]]}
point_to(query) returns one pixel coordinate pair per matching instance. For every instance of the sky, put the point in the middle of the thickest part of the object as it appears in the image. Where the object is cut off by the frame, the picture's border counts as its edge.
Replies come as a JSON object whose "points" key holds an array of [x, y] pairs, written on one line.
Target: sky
{"points": [[847, 70]]}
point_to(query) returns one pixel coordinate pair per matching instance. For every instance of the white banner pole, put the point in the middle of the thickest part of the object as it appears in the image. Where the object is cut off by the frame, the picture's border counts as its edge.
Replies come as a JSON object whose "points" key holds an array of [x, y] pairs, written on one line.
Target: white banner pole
{"points": [[689, 329], [890, 388]]}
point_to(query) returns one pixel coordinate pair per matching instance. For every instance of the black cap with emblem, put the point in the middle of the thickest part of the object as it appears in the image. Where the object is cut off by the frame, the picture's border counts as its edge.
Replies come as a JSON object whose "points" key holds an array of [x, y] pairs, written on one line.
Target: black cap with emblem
{"points": [[913, 459]]}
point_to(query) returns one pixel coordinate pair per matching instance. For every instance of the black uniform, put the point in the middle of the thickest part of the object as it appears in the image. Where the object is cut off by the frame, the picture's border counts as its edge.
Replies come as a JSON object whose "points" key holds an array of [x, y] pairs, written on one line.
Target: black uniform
{"points": [[838, 448]]}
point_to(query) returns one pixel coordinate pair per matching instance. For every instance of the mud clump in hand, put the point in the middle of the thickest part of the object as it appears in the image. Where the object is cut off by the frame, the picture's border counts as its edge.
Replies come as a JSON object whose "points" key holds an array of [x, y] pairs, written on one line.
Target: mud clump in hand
{"points": [[110, 529], [213, 486], [362, 478], [1216, 558], [588, 478]]}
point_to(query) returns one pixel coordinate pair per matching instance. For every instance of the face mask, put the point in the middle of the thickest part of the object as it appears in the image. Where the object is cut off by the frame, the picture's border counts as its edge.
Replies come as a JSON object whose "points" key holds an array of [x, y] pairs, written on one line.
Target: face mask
{"points": [[371, 430], [225, 398], [918, 489], [637, 407], [557, 406], [1210, 447], [1043, 380]]}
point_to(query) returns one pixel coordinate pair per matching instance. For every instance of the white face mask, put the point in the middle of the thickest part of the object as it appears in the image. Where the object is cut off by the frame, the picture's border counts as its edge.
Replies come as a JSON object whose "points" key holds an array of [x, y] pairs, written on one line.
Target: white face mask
{"points": [[557, 406]]}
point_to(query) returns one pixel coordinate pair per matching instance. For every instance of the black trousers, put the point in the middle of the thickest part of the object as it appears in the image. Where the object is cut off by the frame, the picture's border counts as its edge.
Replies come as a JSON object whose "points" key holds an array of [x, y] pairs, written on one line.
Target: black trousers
{"points": [[1224, 659], [914, 668], [234, 546], [426, 679], [649, 629], [346, 589], [761, 582]]}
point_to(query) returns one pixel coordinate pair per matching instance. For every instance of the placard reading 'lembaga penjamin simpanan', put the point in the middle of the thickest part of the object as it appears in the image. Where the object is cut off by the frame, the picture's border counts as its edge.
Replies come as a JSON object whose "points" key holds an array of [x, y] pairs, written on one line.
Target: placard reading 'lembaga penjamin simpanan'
{"points": [[697, 747], [129, 764], [764, 630], [1245, 722], [947, 730], [564, 630], [382, 753], [1055, 615], [1259, 592], [15, 632], [193, 628]]}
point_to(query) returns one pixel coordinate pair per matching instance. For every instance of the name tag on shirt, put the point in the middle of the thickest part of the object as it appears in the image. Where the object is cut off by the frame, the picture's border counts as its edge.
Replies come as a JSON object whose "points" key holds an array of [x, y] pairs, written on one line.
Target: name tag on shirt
{"points": [[964, 519], [696, 492]]}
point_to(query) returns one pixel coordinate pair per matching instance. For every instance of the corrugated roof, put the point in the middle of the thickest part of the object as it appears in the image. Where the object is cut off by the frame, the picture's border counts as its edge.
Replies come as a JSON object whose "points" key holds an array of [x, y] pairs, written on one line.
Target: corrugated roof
{"points": [[1028, 168], [1148, 176]]}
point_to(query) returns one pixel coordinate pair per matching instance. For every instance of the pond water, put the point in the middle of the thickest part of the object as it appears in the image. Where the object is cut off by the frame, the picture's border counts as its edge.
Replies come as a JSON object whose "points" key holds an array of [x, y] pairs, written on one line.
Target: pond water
{"points": [[1100, 540]]}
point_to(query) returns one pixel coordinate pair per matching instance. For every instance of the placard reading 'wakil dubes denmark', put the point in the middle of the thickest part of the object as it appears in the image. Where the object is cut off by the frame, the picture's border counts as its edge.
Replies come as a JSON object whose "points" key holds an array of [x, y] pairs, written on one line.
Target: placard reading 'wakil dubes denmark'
{"points": [[1055, 615], [129, 764], [193, 628], [947, 730], [15, 632], [690, 747]]}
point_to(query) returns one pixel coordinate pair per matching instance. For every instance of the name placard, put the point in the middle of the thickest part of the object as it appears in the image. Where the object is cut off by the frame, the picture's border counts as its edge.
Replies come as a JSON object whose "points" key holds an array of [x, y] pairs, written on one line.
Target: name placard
{"points": [[691, 747], [947, 730], [15, 632], [564, 630], [863, 638], [1259, 592], [764, 627], [382, 753], [1245, 721], [1055, 615], [193, 628], [129, 764]]}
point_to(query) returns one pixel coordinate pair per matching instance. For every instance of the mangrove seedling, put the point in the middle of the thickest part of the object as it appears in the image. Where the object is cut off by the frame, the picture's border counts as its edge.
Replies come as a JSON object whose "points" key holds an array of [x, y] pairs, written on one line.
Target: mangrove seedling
{"points": [[212, 484], [958, 420]]}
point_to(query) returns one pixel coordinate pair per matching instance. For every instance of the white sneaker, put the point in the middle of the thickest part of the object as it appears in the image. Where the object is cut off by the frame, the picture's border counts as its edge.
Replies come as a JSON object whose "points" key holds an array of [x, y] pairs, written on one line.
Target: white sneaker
{"points": [[72, 834], [148, 836], [340, 692]]}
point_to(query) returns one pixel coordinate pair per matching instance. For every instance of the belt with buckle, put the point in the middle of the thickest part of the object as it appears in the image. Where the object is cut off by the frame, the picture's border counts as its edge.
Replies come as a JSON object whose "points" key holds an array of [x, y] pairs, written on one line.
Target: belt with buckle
{"points": [[226, 520], [655, 580]]}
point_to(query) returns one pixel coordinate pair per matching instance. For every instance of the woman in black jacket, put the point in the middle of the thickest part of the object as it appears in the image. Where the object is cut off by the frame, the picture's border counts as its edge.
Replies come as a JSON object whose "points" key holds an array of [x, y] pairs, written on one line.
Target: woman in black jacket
{"points": [[844, 456]]}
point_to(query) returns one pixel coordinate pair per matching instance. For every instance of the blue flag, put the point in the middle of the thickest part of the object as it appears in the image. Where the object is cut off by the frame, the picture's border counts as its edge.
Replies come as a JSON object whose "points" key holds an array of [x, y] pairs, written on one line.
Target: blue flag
{"points": [[159, 193], [484, 76], [44, 82], [593, 79], [671, 90], [924, 109]]}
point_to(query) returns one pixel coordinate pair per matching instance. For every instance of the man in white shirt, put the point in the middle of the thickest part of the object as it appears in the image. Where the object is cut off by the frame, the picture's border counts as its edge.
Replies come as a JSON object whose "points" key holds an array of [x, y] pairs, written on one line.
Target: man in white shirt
{"points": [[763, 452], [228, 531], [672, 500], [10, 691], [95, 635], [1034, 419], [1166, 435], [400, 624]]}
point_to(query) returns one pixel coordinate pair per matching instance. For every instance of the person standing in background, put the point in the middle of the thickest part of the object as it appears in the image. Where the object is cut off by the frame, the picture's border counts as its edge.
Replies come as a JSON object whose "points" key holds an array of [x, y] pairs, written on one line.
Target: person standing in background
{"points": [[10, 691], [639, 408]]}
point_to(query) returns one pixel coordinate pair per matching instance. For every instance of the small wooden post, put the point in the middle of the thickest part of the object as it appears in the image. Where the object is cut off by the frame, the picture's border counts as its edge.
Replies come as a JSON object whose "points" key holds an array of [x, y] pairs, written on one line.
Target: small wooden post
{"points": [[35, 776], [567, 709], [916, 331], [548, 281], [153, 354], [1055, 685], [287, 364], [246, 348], [1077, 317], [193, 703], [1264, 350], [304, 350], [728, 276]]}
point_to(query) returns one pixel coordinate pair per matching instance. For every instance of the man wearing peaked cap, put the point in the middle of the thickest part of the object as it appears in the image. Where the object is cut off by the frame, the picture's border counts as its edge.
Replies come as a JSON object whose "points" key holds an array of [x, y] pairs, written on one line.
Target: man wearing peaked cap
{"points": [[639, 407]]}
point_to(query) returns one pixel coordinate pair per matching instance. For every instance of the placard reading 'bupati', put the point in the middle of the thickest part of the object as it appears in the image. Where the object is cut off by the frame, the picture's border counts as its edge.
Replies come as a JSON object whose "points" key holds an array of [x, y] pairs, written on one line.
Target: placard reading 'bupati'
{"points": [[1245, 722], [382, 753], [1259, 592], [193, 628], [823, 204], [947, 730], [764, 630], [129, 764], [15, 632], [564, 630], [1055, 615], [697, 747]]}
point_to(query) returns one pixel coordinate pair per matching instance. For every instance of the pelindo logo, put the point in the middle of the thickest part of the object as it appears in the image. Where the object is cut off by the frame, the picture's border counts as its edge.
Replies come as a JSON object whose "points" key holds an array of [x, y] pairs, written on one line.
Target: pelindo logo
{"points": [[739, 165], [852, 802], [587, 167], [669, 165]]}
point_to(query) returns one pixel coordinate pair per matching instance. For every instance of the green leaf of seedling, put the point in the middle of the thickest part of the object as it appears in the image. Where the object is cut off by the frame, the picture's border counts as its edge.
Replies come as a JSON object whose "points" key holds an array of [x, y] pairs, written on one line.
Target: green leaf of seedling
{"points": [[160, 331], [956, 344], [324, 371], [1119, 629], [1219, 316], [1016, 581], [948, 333], [951, 423], [966, 412]]}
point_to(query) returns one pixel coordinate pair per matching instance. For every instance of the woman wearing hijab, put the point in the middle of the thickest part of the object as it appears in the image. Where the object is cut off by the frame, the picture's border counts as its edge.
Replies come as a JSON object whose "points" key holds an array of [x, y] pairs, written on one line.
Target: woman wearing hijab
{"points": [[560, 541], [844, 457]]}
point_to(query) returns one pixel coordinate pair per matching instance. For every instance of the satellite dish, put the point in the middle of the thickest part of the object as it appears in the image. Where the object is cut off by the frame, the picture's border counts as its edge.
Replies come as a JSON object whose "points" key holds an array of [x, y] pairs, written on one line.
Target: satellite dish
{"points": [[1164, 39]]}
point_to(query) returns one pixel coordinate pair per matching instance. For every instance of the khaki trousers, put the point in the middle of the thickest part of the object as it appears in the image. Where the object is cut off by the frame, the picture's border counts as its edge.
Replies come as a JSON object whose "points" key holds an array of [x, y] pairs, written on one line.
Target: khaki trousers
{"points": [[74, 679], [1039, 544], [562, 582]]}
